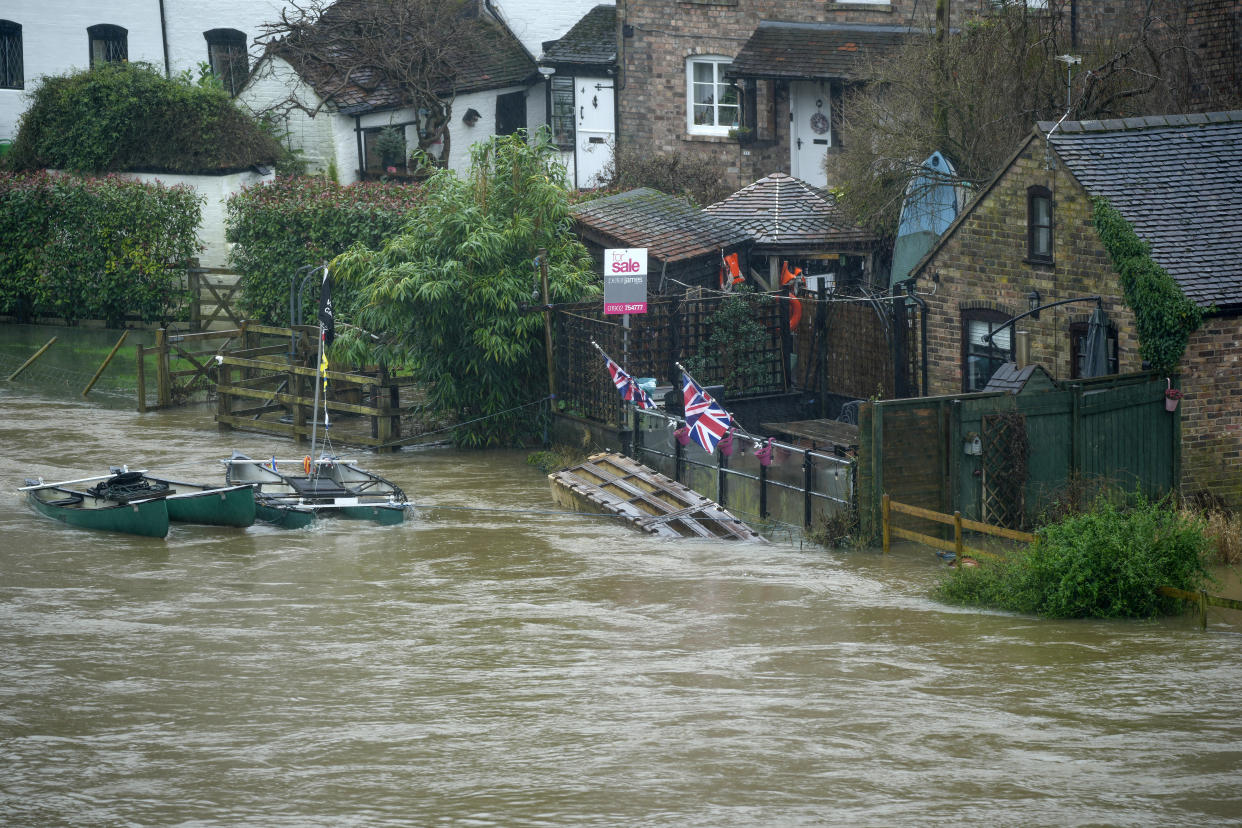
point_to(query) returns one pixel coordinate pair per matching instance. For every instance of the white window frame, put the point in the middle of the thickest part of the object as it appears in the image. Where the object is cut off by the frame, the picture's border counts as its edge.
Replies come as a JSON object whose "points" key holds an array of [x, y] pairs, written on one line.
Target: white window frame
{"points": [[719, 64]]}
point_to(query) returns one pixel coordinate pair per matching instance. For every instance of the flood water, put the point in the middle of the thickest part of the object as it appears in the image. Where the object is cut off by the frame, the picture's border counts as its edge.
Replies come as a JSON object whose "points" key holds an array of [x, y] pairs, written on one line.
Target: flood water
{"points": [[496, 662]]}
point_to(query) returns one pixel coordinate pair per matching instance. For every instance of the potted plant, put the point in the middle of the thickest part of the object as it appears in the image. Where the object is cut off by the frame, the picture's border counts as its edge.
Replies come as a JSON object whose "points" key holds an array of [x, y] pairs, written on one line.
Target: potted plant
{"points": [[1172, 396]]}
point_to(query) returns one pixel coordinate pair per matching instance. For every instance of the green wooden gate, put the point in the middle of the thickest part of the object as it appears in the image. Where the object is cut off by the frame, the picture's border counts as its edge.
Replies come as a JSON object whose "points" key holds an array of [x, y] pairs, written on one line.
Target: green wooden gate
{"points": [[1002, 458]]}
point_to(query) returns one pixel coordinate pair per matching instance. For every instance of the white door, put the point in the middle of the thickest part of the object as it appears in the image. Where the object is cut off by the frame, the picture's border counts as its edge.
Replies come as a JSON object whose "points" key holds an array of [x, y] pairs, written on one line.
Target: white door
{"points": [[593, 98], [810, 131]]}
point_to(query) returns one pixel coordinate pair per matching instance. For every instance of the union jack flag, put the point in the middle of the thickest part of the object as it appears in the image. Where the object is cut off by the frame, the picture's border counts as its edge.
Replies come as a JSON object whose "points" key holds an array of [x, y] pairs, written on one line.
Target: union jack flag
{"points": [[630, 390], [708, 422]]}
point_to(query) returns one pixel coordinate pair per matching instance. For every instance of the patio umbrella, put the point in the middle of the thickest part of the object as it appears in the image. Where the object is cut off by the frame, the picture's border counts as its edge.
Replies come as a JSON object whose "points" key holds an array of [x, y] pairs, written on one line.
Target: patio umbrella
{"points": [[1096, 346]]}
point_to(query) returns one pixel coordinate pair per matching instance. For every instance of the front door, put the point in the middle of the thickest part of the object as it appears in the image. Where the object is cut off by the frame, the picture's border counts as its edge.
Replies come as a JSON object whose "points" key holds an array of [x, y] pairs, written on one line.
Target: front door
{"points": [[593, 98], [810, 131]]}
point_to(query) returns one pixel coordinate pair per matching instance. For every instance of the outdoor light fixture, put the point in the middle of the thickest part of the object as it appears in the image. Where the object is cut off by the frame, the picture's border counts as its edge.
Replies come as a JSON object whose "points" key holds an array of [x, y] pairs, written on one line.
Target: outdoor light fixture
{"points": [[1032, 300], [547, 71]]}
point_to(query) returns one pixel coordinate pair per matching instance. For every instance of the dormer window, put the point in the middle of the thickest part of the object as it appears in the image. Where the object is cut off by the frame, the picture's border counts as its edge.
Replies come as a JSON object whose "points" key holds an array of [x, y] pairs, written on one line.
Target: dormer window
{"points": [[1039, 225]]}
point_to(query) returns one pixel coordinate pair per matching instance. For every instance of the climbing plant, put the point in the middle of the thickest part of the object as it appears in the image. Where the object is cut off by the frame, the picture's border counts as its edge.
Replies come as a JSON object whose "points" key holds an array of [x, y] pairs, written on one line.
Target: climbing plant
{"points": [[1165, 318], [734, 352]]}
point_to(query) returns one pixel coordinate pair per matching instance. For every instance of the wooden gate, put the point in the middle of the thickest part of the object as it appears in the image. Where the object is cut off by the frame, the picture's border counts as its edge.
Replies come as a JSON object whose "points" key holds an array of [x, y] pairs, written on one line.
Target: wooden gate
{"points": [[213, 292]]}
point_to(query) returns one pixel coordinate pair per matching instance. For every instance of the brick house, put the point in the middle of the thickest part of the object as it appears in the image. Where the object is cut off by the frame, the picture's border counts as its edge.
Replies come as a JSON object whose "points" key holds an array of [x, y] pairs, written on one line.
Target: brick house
{"points": [[1028, 239], [757, 86]]}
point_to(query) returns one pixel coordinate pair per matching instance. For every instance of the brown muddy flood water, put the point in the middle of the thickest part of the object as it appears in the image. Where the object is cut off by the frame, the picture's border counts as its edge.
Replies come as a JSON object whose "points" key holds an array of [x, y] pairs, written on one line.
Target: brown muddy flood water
{"points": [[521, 667]]}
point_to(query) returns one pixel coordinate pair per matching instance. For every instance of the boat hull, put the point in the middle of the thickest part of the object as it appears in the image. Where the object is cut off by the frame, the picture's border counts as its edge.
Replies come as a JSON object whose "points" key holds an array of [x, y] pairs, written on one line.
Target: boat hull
{"points": [[284, 516], [383, 514], [147, 518], [230, 506]]}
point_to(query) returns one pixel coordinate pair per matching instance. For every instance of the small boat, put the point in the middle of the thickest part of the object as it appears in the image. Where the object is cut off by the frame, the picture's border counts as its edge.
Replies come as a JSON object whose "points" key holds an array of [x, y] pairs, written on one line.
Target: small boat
{"points": [[187, 502], [69, 503], [327, 487]]}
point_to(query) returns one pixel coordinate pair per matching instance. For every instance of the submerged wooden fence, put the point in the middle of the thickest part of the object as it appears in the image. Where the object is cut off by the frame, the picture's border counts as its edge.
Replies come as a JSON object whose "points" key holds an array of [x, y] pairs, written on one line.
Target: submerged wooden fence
{"points": [[955, 520]]}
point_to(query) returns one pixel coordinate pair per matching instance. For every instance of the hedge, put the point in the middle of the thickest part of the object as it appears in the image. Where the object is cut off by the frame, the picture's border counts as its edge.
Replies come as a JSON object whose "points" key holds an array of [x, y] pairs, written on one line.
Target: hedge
{"points": [[290, 223], [94, 248]]}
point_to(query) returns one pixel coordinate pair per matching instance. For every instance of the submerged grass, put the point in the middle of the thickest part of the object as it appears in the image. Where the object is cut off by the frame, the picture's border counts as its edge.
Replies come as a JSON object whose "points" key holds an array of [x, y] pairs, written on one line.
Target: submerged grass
{"points": [[1103, 563]]}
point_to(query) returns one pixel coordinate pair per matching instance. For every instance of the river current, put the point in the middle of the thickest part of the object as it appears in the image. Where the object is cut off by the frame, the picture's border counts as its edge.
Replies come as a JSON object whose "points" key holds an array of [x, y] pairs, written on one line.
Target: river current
{"points": [[497, 662]]}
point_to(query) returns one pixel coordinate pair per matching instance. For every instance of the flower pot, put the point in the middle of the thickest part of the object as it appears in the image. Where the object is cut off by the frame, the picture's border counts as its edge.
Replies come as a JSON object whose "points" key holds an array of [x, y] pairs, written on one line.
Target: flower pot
{"points": [[1170, 404]]}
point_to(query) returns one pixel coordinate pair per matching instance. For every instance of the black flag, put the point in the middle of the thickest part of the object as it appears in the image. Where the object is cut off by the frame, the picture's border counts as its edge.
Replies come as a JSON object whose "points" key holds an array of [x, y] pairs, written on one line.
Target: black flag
{"points": [[327, 322]]}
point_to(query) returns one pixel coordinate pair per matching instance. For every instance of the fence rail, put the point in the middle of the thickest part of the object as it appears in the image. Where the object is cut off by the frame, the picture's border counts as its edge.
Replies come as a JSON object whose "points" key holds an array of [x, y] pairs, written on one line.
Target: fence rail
{"points": [[955, 520], [1201, 600]]}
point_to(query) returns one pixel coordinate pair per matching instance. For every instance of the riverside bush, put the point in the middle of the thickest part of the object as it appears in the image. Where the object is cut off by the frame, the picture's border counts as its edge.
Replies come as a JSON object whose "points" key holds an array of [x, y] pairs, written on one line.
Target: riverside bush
{"points": [[94, 248], [1105, 563], [293, 222]]}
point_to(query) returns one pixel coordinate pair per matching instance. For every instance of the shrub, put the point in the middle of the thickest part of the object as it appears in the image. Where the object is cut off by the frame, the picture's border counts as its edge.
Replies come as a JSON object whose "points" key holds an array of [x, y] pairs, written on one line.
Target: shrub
{"points": [[128, 116], [94, 248], [293, 222], [1106, 563], [681, 174]]}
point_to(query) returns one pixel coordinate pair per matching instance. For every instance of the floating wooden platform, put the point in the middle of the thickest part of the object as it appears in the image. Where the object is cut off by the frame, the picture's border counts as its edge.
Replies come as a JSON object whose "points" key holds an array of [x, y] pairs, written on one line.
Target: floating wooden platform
{"points": [[614, 484]]}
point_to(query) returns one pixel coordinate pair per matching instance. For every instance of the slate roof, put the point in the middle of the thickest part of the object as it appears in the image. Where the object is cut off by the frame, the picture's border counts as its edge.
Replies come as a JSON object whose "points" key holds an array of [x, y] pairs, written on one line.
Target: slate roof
{"points": [[781, 210], [667, 226], [591, 41], [1178, 180], [1009, 377], [494, 59], [814, 50]]}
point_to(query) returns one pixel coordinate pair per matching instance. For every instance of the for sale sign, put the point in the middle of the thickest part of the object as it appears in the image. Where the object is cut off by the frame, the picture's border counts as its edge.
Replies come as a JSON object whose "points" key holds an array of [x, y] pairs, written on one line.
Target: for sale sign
{"points": [[625, 280]]}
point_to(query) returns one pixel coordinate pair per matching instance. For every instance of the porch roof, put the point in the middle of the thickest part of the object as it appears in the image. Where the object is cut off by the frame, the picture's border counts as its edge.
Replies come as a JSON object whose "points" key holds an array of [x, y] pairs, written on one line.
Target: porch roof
{"points": [[592, 41], [808, 51], [782, 211], [667, 226], [1178, 180]]}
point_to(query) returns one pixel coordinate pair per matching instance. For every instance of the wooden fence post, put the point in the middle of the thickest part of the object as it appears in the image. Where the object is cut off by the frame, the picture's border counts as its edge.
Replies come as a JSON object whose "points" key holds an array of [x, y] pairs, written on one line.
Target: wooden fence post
{"points": [[194, 279], [142, 379], [884, 518], [163, 378], [223, 410], [297, 411], [957, 536], [383, 421]]}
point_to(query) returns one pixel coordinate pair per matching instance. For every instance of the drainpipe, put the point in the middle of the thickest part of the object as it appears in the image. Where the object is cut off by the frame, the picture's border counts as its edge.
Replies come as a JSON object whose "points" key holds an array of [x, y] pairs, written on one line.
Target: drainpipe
{"points": [[164, 38]]}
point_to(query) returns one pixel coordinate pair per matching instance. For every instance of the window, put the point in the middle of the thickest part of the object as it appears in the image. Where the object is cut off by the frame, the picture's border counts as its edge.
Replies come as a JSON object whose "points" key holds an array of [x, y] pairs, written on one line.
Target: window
{"points": [[109, 44], [979, 358], [226, 53], [510, 113], [712, 100], [562, 121], [12, 74], [1078, 348], [1039, 224], [384, 149]]}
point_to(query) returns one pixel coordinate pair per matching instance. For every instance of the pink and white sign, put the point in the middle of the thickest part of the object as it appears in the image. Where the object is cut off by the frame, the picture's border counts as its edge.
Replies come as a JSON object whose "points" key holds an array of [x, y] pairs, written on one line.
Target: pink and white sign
{"points": [[625, 280]]}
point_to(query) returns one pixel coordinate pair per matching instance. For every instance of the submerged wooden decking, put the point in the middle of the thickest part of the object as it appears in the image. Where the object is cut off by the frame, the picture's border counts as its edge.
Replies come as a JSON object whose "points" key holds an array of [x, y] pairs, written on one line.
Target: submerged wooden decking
{"points": [[647, 500]]}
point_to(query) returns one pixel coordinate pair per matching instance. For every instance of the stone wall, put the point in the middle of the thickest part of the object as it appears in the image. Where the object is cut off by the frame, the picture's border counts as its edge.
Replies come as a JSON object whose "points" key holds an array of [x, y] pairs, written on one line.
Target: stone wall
{"points": [[1212, 411], [1214, 29]]}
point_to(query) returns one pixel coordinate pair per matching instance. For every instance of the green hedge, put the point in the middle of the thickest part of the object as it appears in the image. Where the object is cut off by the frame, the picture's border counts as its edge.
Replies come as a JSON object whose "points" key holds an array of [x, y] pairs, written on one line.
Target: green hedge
{"points": [[94, 248], [293, 222], [128, 116]]}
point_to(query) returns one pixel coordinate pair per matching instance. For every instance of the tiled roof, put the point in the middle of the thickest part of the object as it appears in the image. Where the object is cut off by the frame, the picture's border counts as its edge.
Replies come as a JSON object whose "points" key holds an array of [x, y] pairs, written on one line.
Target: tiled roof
{"points": [[592, 40], [779, 209], [494, 59], [1009, 377], [814, 50], [667, 226], [1178, 180]]}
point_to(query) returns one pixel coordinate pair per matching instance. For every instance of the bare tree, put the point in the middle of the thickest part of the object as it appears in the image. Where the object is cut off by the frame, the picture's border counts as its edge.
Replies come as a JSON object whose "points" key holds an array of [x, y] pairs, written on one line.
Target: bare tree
{"points": [[377, 54], [975, 94]]}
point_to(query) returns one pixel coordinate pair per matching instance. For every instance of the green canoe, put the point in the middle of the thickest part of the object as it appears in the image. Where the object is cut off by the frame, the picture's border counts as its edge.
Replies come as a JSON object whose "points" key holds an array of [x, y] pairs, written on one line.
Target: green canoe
{"points": [[79, 509], [283, 515], [212, 505]]}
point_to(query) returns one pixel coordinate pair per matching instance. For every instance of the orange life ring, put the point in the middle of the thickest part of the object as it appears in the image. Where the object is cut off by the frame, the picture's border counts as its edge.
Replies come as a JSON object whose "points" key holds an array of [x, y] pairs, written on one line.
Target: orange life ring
{"points": [[306, 464]]}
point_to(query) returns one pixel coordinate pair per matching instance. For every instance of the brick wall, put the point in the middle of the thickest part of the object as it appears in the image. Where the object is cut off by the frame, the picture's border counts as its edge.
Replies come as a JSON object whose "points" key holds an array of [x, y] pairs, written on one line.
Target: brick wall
{"points": [[983, 264], [1214, 29]]}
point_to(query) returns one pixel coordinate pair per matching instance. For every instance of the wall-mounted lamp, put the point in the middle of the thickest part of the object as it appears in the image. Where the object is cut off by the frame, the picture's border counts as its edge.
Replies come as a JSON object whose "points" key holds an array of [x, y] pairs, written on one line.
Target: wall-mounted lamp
{"points": [[1032, 300], [547, 71]]}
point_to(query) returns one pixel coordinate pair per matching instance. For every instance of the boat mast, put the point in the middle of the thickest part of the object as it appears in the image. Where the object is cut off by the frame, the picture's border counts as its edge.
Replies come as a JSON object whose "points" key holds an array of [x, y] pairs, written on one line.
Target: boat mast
{"points": [[319, 381]]}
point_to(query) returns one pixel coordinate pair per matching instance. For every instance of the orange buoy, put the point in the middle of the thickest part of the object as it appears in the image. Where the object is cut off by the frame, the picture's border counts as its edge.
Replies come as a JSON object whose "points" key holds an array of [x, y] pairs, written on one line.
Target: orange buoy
{"points": [[306, 464]]}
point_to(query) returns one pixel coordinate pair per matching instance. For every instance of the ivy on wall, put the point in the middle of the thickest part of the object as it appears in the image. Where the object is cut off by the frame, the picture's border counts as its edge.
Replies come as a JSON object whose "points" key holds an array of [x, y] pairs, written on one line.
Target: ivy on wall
{"points": [[1165, 318]]}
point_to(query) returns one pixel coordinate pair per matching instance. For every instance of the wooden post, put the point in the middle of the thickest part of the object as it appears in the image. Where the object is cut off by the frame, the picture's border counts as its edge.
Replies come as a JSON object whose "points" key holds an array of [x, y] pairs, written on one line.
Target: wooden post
{"points": [[957, 536], [28, 362], [383, 421], [104, 365], [884, 518], [163, 378], [223, 409], [140, 354], [194, 279], [297, 411], [1203, 605], [547, 320]]}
